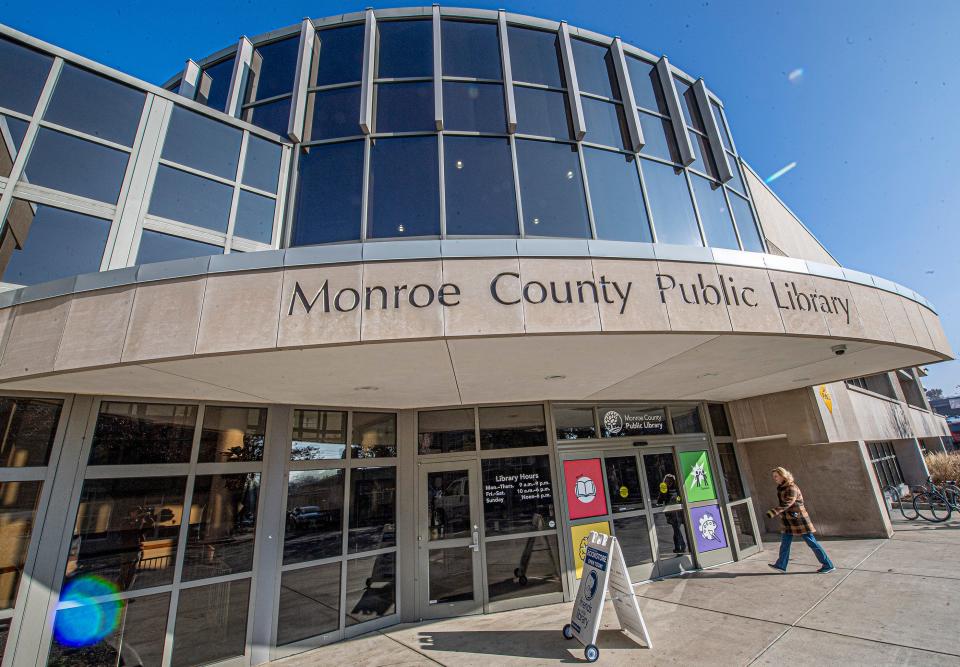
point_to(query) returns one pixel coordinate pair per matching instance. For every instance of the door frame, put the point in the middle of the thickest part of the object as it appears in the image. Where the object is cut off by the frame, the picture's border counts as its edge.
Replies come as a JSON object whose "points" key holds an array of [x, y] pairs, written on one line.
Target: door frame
{"points": [[714, 557]]}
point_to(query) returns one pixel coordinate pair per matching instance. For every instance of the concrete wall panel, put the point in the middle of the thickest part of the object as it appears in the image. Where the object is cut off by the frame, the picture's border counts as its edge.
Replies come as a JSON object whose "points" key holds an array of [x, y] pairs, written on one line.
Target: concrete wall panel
{"points": [[165, 320], [644, 311], [477, 313], [693, 297], [320, 325], [34, 337], [412, 309], [240, 312], [557, 295], [95, 329]]}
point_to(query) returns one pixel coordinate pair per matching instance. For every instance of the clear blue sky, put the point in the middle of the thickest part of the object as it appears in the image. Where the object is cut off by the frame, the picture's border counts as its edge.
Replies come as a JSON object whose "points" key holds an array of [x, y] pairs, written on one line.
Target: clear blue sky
{"points": [[872, 121]]}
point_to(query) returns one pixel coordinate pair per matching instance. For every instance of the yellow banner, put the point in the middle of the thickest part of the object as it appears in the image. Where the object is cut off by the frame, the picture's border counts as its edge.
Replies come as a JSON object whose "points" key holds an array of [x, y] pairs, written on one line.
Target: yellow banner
{"points": [[580, 535]]}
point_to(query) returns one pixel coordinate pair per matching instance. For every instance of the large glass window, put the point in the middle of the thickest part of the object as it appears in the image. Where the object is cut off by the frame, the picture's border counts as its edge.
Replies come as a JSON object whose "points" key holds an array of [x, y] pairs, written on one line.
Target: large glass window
{"points": [[535, 56], [646, 85], [27, 427], [309, 603], [184, 197], [619, 213], [95, 105], [261, 166], [551, 190], [272, 116], [480, 194], [658, 135], [473, 107], [374, 435], [404, 189], [574, 423], [442, 431], [373, 509], [231, 435], [623, 480], [336, 113], [23, 73], [404, 107], [731, 471], [540, 576], [157, 247], [220, 74], [12, 132], [314, 516], [18, 506], [470, 50], [405, 49], [254, 219], [330, 193], [319, 435], [371, 588], [510, 426], [605, 123], [196, 141], [211, 623], [341, 55], [746, 223], [670, 204], [542, 113], [714, 214], [143, 433], [594, 65], [76, 166], [522, 505], [278, 67]]}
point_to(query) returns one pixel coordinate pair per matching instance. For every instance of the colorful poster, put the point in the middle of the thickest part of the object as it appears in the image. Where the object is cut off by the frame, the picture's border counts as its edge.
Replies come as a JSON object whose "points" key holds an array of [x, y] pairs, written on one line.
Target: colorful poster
{"points": [[585, 492], [707, 527], [697, 476], [580, 538]]}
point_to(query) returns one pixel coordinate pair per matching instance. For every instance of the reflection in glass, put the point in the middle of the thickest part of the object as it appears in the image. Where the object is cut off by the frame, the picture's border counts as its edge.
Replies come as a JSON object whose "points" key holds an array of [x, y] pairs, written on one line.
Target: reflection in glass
{"points": [[671, 534], [138, 433], [574, 423], [470, 49], [658, 135], [731, 471], [254, 219], [542, 113], [404, 188], [18, 506], [742, 526], [223, 525], [480, 194], [633, 536], [139, 633], [335, 113], [661, 474], [442, 431], [373, 509], [605, 123], [203, 143], [512, 426], [58, 243], [473, 107], [736, 182], [195, 200], [535, 56], [211, 623], [95, 105], [272, 116], [404, 107], [404, 49], [278, 66], [721, 125], [342, 55], [687, 103], [551, 190], [371, 588], [261, 166], [714, 214], [64, 162], [12, 132], [623, 480], [670, 204], [646, 85], [594, 65], [220, 75], [319, 434], [314, 515], [28, 427], [157, 247], [702, 155], [448, 504], [517, 495], [127, 531], [686, 420], [374, 435], [23, 72], [618, 210], [749, 233], [522, 568], [451, 575], [309, 603], [232, 434], [329, 194]]}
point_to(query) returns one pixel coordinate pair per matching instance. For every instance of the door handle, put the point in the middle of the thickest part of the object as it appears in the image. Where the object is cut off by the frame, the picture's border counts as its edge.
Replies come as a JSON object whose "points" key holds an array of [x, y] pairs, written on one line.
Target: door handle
{"points": [[476, 541]]}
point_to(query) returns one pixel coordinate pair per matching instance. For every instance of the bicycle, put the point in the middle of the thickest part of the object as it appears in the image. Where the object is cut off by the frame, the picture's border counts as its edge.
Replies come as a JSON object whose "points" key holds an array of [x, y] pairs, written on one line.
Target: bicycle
{"points": [[892, 493], [934, 501]]}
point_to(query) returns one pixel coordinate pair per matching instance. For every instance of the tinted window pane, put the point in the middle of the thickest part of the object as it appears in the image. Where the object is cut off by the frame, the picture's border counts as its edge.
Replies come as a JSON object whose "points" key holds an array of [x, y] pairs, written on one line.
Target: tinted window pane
{"points": [[371, 588], [540, 576], [329, 194], [141, 433], [223, 524], [542, 112], [58, 243], [702, 157], [127, 531], [574, 423], [18, 506], [254, 217], [474, 107], [551, 190], [481, 198], [272, 116], [512, 426], [336, 113], [646, 85], [211, 623], [535, 56], [605, 122], [470, 49], [12, 131], [661, 472], [670, 204], [718, 420], [441, 431], [261, 166], [341, 55], [83, 168], [185, 197], [623, 480], [686, 420], [405, 49], [685, 94], [517, 495], [309, 603], [95, 105], [633, 536], [157, 247], [714, 214], [742, 526], [722, 125], [319, 434], [594, 66], [230, 435], [658, 135], [23, 72], [373, 509], [746, 224], [731, 471], [220, 84], [374, 435], [202, 143], [314, 516], [28, 427], [405, 107], [618, 211], [277, 69], [404, 192]]}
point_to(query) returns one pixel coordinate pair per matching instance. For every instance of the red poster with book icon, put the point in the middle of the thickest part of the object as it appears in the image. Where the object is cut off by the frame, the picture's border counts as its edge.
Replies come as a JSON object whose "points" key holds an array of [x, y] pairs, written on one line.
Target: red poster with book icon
{"points": [[585, 490]]}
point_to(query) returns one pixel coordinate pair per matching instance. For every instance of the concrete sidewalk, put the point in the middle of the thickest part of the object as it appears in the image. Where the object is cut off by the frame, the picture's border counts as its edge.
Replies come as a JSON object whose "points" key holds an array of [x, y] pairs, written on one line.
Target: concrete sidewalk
{"points": [[890, 602]]}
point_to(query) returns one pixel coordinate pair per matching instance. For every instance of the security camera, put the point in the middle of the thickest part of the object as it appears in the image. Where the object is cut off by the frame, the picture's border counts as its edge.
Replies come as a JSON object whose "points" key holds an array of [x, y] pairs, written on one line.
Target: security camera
{"points": [[839, 350]]}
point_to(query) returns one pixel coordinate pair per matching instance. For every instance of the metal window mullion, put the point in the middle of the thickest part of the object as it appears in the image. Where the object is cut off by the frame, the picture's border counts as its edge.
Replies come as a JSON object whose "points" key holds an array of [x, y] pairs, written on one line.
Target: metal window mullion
{"points": [[307, 55], [627, 97], [647, 207], [586, 192], [696, 208], [196, 172], [279, 202], [677, 119], [442, 180], [573, 87], [235, 198], [733, 218], [183, 229], [516, 184], [242, 62], [365, 201], [437, 77], [702, 96], [509, 101], [367, 76], [91, 138]]}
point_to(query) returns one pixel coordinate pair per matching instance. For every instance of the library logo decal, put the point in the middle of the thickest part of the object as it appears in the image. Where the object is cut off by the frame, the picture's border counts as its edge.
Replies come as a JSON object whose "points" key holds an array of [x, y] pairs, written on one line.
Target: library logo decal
{"points": [[613, 422], [586, 490], [708, 527]]}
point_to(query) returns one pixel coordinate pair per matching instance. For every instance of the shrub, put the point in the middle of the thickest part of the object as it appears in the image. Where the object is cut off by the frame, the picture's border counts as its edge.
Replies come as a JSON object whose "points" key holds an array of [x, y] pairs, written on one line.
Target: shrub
{"points": [[944, 466]]}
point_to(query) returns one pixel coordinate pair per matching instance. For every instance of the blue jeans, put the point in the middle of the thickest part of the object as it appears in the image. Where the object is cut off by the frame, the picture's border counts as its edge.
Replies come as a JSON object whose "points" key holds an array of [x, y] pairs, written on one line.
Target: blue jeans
{"points": [[786, 539]]}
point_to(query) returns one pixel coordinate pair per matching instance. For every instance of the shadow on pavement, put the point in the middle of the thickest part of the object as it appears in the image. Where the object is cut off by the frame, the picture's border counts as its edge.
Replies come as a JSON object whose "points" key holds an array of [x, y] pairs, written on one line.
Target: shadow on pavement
{"points": [[542, 644]]}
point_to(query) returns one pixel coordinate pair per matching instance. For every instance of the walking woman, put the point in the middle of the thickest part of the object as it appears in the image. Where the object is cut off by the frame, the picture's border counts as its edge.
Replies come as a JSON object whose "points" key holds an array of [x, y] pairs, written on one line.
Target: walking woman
{"points": [[796, 521]]}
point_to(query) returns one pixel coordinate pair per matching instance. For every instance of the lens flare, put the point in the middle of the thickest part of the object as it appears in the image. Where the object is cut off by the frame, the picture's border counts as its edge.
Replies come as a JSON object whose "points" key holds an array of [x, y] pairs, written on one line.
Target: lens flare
{"points": [[779, 172], [795, 75], [82, 621]]}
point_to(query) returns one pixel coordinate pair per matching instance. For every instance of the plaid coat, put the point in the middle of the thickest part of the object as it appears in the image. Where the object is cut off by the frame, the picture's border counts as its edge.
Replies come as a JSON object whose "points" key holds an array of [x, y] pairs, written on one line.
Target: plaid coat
{"points": [[791, 510]]}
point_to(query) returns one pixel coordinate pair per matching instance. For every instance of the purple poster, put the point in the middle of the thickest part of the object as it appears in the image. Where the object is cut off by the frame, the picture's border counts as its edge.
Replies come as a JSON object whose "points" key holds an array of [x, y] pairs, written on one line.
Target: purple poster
{"points": [[708, 528]]}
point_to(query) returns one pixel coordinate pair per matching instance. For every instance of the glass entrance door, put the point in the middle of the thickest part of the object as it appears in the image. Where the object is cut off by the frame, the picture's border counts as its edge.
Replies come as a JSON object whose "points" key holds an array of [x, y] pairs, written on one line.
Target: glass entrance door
{"points": [[671, 537], [448, 540]]}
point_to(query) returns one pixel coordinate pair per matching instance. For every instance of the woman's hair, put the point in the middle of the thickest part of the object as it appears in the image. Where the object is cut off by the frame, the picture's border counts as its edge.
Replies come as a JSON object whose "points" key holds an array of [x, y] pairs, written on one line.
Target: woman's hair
{"points": [[783, 472]]}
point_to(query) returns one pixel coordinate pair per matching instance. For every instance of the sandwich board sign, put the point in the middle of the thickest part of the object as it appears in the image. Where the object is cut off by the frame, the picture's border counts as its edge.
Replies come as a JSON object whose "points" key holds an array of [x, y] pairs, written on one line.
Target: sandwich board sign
{"points": [[604, 571]]}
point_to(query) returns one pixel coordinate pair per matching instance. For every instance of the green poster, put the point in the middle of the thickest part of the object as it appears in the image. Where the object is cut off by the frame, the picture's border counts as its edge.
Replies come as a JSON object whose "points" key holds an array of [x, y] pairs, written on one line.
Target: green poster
{"points": [[697, 476]]}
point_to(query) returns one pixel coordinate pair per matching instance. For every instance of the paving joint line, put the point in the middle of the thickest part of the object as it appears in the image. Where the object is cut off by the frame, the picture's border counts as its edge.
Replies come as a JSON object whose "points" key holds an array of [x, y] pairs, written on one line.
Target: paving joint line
{"points": [[712, 611], [411, 648]]}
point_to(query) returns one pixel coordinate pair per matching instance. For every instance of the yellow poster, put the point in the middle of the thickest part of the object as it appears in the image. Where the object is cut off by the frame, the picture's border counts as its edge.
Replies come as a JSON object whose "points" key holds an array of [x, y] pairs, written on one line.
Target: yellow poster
{"points": [[579, 536]]}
